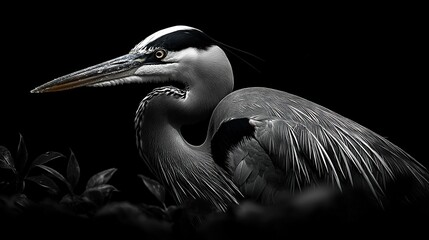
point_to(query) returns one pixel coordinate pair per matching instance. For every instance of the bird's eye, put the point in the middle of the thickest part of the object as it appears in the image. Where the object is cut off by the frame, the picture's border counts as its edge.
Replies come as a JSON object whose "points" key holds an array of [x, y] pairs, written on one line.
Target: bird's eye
{"points": [[160, 53]]}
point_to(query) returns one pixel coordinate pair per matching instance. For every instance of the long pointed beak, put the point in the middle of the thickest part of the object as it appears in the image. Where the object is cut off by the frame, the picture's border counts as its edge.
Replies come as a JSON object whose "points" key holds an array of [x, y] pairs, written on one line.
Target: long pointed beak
{"points": [[115, 69]]}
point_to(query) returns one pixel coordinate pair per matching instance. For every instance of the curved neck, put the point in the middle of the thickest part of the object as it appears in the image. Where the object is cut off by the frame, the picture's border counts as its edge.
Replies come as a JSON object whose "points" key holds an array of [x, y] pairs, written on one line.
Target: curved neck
{"points": [[189, 172]]}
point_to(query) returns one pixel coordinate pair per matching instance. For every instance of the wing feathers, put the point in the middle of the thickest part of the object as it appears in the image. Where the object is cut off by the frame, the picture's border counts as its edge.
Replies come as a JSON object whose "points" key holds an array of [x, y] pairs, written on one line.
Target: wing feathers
{"points": [[312, 152], [242, 173]]}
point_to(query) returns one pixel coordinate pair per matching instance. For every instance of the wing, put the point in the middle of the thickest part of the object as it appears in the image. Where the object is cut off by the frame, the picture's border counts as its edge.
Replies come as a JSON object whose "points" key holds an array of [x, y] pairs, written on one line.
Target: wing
{"points": [[294, 143], [311, 154]]}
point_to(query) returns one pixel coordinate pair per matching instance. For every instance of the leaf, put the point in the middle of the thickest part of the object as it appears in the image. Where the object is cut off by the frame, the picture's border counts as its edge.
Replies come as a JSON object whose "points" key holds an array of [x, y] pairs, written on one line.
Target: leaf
{"points": [[6, 160], [100, 178], [46, 157], [100, 193], [21, 155], [154, 187], [73, 170], [58, 175], [45, 182]]}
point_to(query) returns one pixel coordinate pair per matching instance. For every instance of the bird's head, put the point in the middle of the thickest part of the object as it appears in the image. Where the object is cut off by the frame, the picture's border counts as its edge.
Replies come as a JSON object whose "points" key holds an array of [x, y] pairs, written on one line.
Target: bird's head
{"points": [[182, 56]]}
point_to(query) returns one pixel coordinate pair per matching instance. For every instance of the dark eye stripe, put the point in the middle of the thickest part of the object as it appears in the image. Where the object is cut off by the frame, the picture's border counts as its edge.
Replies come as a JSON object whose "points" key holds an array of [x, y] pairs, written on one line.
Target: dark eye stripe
{"points": [[182, 39]]}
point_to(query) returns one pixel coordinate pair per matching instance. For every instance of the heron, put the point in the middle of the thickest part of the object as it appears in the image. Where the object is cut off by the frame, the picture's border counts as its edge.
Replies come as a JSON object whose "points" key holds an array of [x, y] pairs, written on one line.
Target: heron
{"points": [[261, 143]]}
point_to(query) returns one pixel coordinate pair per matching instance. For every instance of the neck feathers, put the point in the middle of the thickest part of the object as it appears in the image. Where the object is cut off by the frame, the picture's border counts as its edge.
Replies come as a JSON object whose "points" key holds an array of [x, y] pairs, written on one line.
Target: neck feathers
{"points": [[199, 178], [189, 172]]}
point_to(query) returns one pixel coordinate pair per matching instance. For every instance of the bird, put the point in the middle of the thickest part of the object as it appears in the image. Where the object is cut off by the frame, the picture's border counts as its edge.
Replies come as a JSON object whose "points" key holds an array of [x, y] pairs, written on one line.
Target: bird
{"points": [[261, 143]]}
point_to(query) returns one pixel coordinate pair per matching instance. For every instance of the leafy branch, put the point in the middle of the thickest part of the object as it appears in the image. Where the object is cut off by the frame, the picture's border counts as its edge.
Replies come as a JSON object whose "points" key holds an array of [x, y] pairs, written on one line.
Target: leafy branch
{"points": [[18, 170], [97, 191]]}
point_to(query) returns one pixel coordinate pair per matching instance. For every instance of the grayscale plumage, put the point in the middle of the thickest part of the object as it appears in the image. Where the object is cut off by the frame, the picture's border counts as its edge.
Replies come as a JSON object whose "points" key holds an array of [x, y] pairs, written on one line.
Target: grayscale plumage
{"points": [[261, 143]]}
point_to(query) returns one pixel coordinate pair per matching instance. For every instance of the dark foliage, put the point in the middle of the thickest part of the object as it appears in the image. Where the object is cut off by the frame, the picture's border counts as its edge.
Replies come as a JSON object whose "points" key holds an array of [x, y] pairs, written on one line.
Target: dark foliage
{"points": [[65, 212]]}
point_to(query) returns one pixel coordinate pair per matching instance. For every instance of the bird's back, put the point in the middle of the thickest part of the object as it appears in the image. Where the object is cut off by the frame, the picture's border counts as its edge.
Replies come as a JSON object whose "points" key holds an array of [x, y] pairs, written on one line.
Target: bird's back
{"points": [[296, 143]]}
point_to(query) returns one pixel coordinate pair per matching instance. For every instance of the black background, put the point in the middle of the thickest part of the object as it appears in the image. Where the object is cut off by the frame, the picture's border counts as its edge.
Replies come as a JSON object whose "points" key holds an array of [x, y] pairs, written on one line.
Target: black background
{"points": [[364, 62]]}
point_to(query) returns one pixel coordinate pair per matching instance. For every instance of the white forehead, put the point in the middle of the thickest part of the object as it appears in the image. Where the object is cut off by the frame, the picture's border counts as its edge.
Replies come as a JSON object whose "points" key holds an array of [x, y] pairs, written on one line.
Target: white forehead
{"points": [[158, 34]]}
